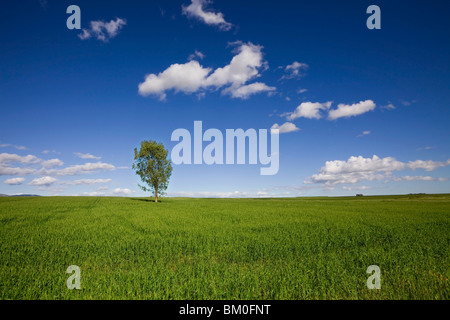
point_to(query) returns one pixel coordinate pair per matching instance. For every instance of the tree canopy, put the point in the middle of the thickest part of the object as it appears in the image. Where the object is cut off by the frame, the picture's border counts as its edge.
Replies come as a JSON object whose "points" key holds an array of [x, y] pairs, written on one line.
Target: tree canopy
{"points": [[152, 165]]}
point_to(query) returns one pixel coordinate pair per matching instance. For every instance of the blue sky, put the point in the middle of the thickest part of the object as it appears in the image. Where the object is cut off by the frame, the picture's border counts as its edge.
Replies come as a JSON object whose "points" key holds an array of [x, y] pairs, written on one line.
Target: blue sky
{"points": [[367, 109]]}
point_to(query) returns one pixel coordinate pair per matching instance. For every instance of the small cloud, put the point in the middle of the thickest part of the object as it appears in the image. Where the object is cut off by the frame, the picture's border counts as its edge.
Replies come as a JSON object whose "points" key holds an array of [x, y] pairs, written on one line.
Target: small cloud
{"points": [[93, 194], [309, 110], [86, 156], [103, 31], [86, 181], [196, 54], [5, 145], [14, 181], [44, 181], [425, 148], [407, 103], [52, 163], [50, 151], [294, 70], [285, 127], [243, 92], [364, 133], [121, 192], [389, 106], [301, 90], [197, 10], [10, 157], [356, 109]]}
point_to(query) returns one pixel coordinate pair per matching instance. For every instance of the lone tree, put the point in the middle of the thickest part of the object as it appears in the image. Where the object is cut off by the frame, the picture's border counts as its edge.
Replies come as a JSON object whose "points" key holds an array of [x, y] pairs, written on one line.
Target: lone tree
{"points": [[152, 165]]}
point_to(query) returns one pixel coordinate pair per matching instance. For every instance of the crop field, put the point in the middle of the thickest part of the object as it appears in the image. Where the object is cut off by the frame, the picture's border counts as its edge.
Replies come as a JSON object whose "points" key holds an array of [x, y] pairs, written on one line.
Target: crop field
{"points": [[181, 248]]}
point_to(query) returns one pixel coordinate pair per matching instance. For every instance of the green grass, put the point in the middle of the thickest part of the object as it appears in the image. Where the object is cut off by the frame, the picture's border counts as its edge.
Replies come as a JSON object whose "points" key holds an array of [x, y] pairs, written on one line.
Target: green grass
{"points": [[303, 248]]}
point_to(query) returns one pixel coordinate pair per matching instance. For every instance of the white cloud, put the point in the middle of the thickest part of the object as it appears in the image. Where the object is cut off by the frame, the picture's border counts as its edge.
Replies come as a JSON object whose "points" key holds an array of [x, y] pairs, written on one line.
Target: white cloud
{"points": [[301, 90], [310, 110], [357, 169], [52, 163], [103, 31], [121, 192], [218, 194], [43, 181], [79, 169], [14, 181], [389, 106], [15, 171], [294, 70], [285, 127], [50, 151], [5, 145], [93, 194], [419, 178], [10, 157], [191, 77], [345, 111], [244, 92], [359, 188], [188, 78], [364, 133], [86, 156], [86, 181], [428, 165], [197, 10]]}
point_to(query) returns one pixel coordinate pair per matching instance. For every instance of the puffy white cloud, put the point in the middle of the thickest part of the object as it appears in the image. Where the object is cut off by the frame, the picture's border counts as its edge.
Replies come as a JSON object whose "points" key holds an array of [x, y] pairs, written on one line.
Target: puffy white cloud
{"points": [[188, 78], [86, 156], [14, 181], [15, 171], [43, 181], [243, 67], [197, 10], [192, 77], [285, 127], [294, 70], [357, 169], [52, 163], [121, 192], [310, 110], [428, 165], [345, 110], [103, 31], [10, 157]]}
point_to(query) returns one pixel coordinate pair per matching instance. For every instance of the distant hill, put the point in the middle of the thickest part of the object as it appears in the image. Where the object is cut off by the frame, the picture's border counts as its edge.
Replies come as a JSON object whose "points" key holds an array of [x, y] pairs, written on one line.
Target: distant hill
{"points": [[20, 195]]}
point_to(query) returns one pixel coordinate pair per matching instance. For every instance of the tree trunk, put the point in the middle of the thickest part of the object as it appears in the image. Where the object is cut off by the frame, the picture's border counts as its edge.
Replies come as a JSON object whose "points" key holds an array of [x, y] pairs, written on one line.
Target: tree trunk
{"points": [[156, 195]]}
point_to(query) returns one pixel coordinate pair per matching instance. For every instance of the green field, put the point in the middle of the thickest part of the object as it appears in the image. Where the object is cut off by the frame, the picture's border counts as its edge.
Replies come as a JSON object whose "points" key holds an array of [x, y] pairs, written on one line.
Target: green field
{"points": [[180, 248]]}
